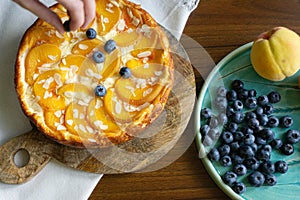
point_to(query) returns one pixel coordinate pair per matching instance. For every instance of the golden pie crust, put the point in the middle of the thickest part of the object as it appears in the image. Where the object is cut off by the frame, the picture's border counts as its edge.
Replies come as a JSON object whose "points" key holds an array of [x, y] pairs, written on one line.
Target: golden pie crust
{"points": [[56, 76]]}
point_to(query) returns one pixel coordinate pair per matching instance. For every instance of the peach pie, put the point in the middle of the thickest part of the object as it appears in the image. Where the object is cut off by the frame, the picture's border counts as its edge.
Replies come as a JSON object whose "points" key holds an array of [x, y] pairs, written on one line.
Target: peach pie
{"points": [[98, 86]]}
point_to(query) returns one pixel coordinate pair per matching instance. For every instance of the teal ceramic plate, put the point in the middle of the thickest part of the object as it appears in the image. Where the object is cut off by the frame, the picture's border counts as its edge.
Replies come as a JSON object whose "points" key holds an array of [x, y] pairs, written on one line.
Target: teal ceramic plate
{"points": [[237, 65]]}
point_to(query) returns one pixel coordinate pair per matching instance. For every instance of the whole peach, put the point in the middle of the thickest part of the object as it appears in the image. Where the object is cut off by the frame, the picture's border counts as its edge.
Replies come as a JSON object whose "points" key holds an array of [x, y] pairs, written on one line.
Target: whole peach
{"points": [[275, 54]]}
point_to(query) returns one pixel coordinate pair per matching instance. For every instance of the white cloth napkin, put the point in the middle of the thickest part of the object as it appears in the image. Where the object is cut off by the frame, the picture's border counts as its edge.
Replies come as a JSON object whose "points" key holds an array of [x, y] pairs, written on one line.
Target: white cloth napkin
{"points": [[56, 181]]}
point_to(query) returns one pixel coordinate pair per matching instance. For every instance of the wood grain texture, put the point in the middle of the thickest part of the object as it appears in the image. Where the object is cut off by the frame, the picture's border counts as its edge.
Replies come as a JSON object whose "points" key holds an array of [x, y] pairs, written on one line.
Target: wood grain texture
{"points": [[220, 26]]}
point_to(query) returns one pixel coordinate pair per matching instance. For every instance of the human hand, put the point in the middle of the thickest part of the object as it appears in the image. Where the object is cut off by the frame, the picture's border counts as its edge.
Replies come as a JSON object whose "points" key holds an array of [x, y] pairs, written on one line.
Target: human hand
{"points": [[81, 12]]}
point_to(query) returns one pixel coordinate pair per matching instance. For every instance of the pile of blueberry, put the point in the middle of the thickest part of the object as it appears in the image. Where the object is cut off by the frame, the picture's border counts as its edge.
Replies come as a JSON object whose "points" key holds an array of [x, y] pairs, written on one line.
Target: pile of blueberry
{"points": [[245, 124]]}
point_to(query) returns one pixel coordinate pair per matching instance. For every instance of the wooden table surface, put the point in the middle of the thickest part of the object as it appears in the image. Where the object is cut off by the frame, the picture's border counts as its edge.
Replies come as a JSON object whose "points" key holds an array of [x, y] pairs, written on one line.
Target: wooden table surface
{"points": [[220, 26]]}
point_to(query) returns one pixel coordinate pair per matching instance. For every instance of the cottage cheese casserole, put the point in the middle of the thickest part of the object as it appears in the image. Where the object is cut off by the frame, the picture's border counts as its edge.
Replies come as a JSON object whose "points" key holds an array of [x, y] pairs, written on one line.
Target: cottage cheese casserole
{"points": [[99, 86]]}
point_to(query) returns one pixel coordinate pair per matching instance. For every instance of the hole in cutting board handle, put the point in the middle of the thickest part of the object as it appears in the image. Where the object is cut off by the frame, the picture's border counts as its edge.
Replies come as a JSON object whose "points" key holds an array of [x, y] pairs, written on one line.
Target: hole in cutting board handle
{"points": [[21, 158]]}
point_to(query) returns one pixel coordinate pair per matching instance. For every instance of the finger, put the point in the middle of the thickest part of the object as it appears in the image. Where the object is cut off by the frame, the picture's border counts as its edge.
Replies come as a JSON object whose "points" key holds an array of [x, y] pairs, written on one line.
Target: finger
{"points": [[89, 11], [42, 12], [76, 11]]}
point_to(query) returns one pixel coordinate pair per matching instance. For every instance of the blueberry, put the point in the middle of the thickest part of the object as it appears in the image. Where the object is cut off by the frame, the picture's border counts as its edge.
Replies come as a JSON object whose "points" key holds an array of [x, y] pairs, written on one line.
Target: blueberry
{"points": [[98, 57], [267, 148], [229, 178], [232, 127], [256, 179], [237, 105], [267, 167], [214, 154], [221, 91], [260, 141], [237, 159], [213, 122], [100, 91], [220, 103], [231, 95], [238, 135], [274, 97], [273, 121], [67, 26], [250, 115], [276, 143], [254, 147], [262, 100], [287, 149], [292, 136], [247, 130], [229, 111], [204, 129], [270, 179], [125, 72], [239, 187], [234, 146], [207, 141], [242, 94], [222, 118], [259, 111], [214, 134], [226, 161], [263, 155], [268, 109], [227, 137], [286, 121], [246, 151], [263, 119], [252, 93], [206, 113], [110, 46], [267, 134], [224, 149], [237, 85], [251, 163], [249, 139], [91, 33], [237, 117], [281, 166], [239, 169], [253, 123], [251, 102]]}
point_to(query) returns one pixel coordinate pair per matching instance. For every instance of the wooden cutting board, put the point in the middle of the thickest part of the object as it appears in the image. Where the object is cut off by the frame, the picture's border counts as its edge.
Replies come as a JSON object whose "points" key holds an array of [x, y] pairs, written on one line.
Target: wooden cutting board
{"points": [[153, 144]]}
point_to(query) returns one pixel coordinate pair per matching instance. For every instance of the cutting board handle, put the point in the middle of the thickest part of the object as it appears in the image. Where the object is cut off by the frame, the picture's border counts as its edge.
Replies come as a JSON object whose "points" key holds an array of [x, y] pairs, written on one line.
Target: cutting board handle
{"points": [[32, 143]]}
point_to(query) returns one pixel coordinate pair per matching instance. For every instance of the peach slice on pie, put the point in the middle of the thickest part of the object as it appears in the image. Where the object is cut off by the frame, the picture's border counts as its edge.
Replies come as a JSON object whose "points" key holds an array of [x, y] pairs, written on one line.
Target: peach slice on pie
{"points": [[108, 15], [99, 119], [39, 56], [111, 64], [41, 35], [127, 38], [45, 88], [55, 119], [84, 47], [146, 71], [128, 91], [76, 122], [115, 107], [76, 91]]}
